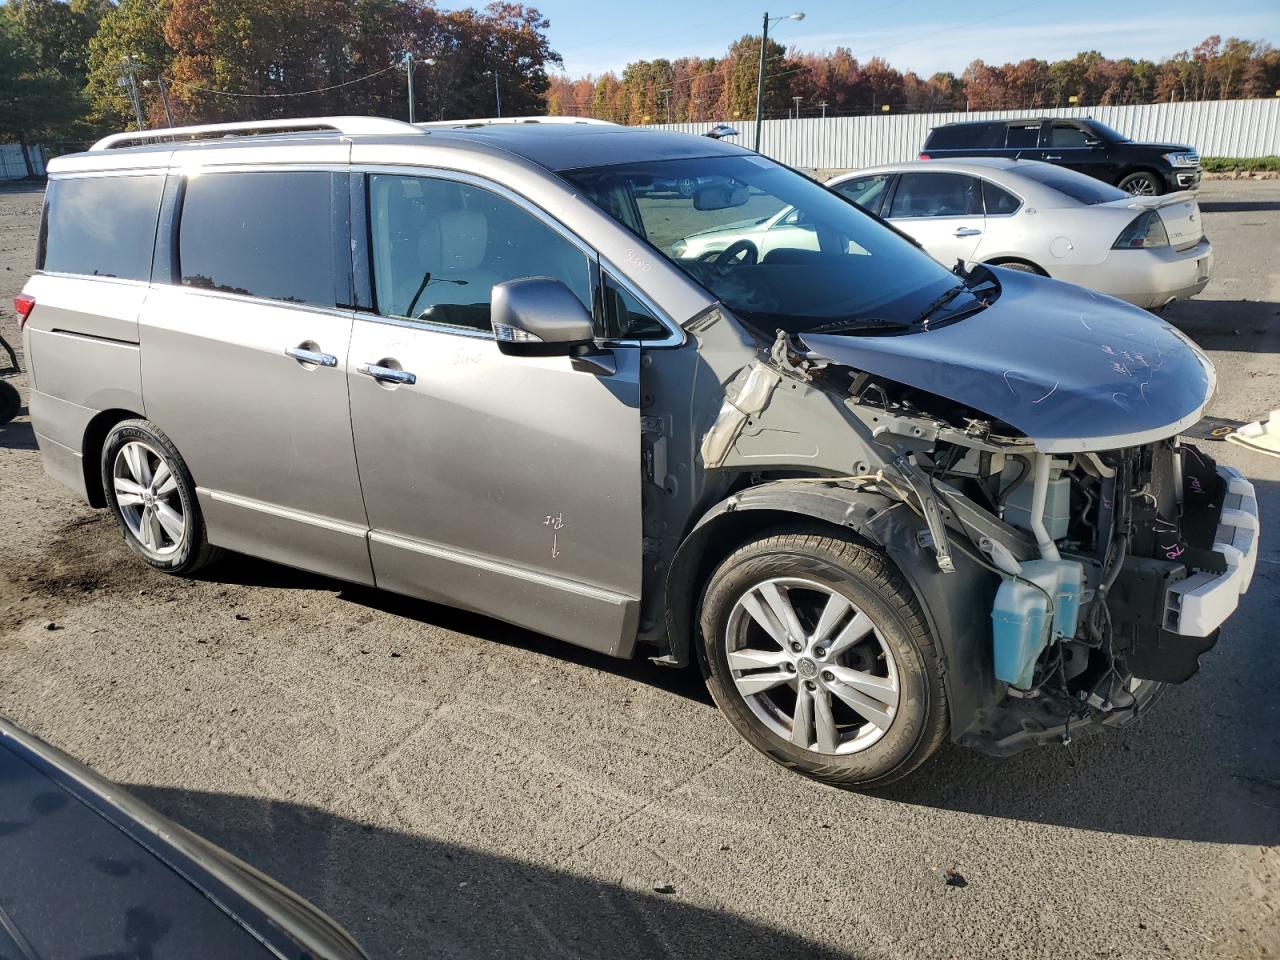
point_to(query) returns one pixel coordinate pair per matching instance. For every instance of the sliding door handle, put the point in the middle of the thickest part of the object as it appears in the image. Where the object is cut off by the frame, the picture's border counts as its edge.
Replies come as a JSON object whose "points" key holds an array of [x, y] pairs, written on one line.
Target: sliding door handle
{"points": [[388, 374], [305, 354]]}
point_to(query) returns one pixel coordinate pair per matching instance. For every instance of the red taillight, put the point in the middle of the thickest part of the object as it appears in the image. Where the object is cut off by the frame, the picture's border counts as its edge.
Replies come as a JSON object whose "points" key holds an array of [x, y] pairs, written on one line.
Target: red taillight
{"points": [[23, 303], [923, 156]]}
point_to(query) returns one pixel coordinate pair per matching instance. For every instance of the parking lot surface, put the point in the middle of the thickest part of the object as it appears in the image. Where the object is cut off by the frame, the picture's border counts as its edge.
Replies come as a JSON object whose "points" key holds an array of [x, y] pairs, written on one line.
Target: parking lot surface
{"points": [[448, 786]]}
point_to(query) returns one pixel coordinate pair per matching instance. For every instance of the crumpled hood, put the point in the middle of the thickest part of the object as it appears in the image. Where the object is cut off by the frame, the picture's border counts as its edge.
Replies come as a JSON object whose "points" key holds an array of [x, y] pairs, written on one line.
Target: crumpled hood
{"points": [[1071, 369]]}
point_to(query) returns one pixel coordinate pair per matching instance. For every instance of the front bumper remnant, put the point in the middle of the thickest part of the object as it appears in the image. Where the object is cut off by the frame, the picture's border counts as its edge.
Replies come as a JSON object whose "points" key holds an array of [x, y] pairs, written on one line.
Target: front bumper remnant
{"points": [[1201, 603]]}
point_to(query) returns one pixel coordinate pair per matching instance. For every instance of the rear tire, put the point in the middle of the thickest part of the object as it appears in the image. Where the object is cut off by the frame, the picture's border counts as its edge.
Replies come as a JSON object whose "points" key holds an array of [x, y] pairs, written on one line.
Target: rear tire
{"points": [[857, 652], [1142, 183], [152, 497], [10, 401]]}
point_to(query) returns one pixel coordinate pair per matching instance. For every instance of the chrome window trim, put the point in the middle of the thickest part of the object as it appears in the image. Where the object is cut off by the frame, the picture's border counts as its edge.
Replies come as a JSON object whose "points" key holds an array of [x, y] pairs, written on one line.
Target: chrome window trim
{"points": [[62, 275], [156, 171], [267, 166], [675, 333], [190, 291], [425, 325]]}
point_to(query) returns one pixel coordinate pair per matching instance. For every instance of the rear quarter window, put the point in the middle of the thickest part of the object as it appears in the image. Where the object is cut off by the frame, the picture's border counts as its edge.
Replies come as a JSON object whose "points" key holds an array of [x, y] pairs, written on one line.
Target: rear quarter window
{"points": [[966, 136], [263, 234], [101, 226]]}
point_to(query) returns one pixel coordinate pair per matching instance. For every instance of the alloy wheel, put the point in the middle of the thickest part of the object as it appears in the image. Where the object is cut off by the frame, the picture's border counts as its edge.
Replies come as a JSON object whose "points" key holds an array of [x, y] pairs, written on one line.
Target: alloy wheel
{"points": [[811, 666], [146, 493], [1141, 187]]}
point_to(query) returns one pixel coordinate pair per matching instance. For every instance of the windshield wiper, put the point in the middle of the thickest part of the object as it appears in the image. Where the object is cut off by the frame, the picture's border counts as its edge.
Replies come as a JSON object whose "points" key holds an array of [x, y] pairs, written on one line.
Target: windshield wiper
{"points": [[861, 324], [938, 304]]}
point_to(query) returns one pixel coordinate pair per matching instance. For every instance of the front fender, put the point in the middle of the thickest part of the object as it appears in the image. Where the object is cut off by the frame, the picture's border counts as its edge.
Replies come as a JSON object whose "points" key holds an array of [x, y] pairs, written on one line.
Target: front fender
{"points": [[957, 606]]}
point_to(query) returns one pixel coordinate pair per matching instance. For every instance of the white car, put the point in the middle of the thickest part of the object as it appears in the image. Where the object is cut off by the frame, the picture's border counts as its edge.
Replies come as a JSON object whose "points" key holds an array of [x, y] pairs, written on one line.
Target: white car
{"points": [[1046, 219]]}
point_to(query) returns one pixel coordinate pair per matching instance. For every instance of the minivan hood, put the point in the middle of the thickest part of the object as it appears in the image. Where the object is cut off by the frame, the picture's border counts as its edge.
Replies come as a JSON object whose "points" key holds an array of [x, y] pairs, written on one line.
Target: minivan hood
{"points": [[1073, 370]]}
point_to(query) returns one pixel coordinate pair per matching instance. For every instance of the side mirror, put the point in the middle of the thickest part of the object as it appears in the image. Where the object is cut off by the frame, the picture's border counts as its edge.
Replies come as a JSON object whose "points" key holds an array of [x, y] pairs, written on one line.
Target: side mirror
{"points": [[540, 316]]}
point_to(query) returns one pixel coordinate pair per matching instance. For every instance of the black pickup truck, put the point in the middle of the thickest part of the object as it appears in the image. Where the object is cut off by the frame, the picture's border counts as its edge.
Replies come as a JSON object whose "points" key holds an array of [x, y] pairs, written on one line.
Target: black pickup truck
{"points": [[1093, 148]]}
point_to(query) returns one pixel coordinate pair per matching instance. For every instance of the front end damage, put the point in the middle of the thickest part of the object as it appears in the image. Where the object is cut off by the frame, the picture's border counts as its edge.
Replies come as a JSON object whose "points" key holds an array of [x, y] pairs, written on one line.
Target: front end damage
{"points": [[1071, 563]]}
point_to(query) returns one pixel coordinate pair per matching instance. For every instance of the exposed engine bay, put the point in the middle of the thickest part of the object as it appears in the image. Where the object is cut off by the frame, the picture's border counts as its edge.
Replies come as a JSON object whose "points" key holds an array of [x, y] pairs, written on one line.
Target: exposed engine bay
{"points": [[1103, 573]]}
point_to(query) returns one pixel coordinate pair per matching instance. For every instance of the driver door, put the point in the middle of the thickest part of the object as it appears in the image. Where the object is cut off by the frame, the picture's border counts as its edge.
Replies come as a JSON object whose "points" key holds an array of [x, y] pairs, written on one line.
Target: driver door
{"points": [[501, 484]]}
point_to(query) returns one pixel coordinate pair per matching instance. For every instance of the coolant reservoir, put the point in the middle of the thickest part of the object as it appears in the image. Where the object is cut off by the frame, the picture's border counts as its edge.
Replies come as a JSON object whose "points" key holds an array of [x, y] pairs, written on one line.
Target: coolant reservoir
{"points": [[1021, 620]]}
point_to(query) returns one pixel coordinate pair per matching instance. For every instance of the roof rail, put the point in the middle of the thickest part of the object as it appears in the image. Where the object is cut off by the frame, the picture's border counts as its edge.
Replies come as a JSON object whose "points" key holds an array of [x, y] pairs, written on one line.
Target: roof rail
{"points": [[488, 121], [353, 126]]}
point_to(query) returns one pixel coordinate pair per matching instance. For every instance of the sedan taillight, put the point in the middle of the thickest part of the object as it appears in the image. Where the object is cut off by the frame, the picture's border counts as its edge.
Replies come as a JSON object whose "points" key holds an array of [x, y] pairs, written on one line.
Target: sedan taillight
{"points": [[23, 303], [1145, 233]]}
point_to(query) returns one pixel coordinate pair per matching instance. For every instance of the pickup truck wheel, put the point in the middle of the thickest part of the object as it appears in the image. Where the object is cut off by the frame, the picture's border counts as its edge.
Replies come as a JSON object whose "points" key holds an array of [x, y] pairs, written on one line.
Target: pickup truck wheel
{"points": [[817, 652], [150, 493], [1144, 183]]}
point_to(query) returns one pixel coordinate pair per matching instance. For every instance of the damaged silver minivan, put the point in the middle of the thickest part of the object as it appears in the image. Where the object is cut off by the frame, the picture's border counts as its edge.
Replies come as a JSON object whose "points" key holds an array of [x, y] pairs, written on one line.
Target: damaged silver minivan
{"points": [[880, 502]]}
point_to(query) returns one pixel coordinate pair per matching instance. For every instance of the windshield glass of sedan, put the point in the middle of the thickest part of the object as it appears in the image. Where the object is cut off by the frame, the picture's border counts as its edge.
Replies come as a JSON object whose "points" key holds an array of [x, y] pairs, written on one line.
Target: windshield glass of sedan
{"points": [[776, 248]]}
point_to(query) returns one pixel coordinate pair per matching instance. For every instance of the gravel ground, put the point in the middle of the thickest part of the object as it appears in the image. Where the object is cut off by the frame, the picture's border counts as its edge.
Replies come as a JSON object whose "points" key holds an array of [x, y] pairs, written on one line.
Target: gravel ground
{"points": [[447, 786]]}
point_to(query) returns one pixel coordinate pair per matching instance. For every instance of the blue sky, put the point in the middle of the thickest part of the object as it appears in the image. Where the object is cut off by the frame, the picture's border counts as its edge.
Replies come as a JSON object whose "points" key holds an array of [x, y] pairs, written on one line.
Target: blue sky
{"points": [[595, 35]]}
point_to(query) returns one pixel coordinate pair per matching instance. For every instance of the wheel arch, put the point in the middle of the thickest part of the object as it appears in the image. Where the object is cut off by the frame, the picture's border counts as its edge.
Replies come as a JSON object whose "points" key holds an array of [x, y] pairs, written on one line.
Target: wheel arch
{"points": [[961, 600], [95, 435], [1005, 260], [1143, 168]]}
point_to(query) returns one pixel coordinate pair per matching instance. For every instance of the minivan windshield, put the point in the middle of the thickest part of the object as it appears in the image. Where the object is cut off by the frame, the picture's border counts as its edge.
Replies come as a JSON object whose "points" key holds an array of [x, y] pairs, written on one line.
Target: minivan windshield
{"points": [[776, 248]]}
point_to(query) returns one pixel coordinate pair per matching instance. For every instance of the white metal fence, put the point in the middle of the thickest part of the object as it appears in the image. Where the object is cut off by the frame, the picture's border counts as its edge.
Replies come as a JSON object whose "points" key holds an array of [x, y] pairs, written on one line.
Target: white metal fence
{"points": [[1217, 128], [14, 167]]}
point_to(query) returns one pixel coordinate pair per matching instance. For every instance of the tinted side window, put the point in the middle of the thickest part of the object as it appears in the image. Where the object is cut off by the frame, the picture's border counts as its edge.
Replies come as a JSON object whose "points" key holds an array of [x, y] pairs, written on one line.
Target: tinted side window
{"points": [[102, 226], [936, 195], [866, 192], [998, 201], [440, 246], [983, 136], [261, 234], [1022, 135], [626, 318], [1066, 135]]}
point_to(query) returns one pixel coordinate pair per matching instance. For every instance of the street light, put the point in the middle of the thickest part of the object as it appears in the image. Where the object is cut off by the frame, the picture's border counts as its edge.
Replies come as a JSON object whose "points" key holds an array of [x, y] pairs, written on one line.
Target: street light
{"points": [[408, 72], [764, 44]]}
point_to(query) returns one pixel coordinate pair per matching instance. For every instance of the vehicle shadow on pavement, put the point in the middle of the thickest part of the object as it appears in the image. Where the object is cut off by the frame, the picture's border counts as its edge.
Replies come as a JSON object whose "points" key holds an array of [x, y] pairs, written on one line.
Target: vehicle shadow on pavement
{"points": [[17, 434], [1243, 326], [252, 572], [1238, 206], [409, 896]]}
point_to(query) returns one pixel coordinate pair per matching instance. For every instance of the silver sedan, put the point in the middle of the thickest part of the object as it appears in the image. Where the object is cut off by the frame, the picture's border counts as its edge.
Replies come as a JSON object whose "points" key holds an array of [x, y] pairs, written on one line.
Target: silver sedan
{"points": [[1042, 218]]}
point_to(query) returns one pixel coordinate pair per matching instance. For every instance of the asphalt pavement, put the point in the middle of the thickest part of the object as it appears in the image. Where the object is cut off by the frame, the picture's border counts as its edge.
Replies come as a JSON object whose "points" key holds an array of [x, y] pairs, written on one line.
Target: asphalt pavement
{"points": [[449, 786]]}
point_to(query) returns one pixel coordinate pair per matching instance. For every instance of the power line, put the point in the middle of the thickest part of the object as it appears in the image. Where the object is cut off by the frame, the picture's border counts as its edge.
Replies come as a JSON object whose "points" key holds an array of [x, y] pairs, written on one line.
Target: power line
{"points": [[298, 93]]}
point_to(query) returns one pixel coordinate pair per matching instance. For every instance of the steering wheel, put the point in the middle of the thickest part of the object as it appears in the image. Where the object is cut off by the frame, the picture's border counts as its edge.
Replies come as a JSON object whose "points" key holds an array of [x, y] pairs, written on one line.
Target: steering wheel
{"points": [[740, 248]]}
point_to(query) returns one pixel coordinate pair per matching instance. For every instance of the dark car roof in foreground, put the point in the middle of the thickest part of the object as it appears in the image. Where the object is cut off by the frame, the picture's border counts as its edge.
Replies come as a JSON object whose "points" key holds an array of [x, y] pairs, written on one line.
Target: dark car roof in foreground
{"points": [[88, 870]]}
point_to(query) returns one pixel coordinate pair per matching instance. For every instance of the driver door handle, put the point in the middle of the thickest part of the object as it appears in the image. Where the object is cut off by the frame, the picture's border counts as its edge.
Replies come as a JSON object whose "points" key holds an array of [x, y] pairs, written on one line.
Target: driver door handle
{"points": [[312, 356], [388, 374], [1052, 157], [967, 232]]}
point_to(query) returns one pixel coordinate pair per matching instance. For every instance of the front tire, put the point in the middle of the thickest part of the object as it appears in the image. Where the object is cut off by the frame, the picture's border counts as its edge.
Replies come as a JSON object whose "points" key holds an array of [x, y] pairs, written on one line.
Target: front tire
{"points": [[1142, 183], [150, 493], [818, 653]]}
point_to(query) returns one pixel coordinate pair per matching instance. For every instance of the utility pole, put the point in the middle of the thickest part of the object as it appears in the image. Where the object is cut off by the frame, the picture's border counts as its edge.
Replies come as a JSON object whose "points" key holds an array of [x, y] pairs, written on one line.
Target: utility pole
{"points": [[764, 45], [797, 102], [129, 68], [408, 73], [164, 96], [823, 105], [666, 95]]}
